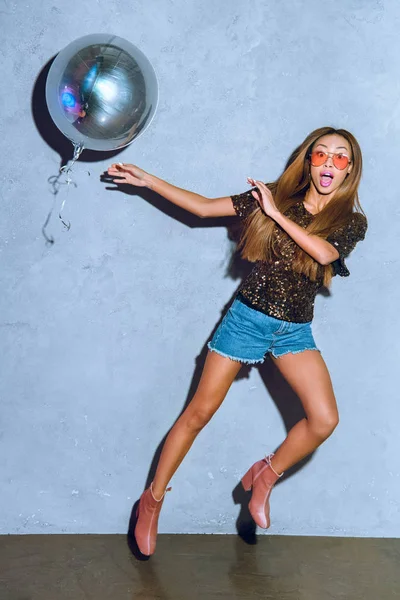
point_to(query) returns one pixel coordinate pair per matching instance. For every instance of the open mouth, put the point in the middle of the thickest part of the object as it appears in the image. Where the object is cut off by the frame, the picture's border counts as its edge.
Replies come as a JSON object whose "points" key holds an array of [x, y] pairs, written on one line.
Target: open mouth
{"points": [[326, 178]]}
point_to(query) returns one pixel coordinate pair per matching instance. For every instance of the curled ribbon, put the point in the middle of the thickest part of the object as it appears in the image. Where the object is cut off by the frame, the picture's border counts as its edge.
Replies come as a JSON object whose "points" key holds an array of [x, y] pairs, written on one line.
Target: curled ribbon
{"points": [[56, 181]]}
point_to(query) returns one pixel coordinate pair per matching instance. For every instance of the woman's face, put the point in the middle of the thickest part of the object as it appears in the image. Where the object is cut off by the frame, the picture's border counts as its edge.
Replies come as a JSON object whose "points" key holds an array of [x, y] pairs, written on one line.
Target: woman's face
{"points": [[328, 176]]}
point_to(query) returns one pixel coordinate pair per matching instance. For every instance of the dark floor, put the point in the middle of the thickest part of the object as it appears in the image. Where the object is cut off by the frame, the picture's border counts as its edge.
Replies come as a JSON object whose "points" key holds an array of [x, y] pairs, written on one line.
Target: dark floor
{"points": [[188, 567]]}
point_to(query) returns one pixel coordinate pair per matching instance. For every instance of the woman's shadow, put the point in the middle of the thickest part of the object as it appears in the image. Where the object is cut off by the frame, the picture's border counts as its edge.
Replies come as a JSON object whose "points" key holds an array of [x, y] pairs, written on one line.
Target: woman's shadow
{"points": [[283, 396], [286, 401]]}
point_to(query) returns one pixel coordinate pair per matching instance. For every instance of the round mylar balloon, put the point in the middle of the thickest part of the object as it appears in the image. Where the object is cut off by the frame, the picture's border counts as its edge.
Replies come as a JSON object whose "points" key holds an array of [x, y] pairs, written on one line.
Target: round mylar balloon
{"points": [[101, 92]]}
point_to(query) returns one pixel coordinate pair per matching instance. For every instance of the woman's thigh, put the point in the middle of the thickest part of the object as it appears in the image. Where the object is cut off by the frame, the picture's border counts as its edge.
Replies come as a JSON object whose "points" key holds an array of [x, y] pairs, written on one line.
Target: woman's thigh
{"points": [[308, 375], [218, 375]]}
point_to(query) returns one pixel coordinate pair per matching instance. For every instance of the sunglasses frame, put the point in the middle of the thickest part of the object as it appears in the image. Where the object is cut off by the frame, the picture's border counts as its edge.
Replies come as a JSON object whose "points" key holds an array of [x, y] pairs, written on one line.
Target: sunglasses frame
{"points": [[333, 154]]}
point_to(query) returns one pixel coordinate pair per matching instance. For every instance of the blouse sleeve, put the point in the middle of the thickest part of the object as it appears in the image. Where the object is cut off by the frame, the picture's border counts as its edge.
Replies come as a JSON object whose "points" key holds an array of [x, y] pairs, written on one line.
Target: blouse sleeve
{"points": [[345, 239], [244, 204]]}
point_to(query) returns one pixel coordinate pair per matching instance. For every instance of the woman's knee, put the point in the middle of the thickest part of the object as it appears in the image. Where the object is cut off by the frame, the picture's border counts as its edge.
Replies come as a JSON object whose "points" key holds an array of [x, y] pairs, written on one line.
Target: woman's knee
{"points": [[197, 417], [323, 426]]}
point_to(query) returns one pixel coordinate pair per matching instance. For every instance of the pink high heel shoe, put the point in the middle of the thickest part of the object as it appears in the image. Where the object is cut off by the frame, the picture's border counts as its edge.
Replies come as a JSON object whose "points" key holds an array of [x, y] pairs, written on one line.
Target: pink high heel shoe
{"points": [[261, 477], [147, 514]]}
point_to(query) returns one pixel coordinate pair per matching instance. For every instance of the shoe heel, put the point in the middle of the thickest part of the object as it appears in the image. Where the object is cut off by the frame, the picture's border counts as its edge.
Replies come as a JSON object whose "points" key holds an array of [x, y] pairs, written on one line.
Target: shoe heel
{"points": [[247, 481]]}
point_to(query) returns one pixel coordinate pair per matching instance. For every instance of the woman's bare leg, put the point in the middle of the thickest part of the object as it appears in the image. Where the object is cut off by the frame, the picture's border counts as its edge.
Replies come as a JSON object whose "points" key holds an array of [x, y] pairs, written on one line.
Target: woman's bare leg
{"points": [[309, 377], [216, 379]]}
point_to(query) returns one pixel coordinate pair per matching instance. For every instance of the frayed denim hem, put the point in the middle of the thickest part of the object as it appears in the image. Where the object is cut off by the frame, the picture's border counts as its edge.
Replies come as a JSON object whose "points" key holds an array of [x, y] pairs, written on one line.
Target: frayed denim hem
{"points": [[293, 352], [246, 361]]}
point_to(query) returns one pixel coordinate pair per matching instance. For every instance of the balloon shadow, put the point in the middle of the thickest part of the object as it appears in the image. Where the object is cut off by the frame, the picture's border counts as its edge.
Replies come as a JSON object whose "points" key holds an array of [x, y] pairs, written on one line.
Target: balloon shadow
{"points": [[57, 141]]}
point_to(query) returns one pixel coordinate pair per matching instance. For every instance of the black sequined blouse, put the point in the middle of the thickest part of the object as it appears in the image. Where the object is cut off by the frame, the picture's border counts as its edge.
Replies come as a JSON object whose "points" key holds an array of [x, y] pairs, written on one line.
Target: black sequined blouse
{"points": [[273, 287]]}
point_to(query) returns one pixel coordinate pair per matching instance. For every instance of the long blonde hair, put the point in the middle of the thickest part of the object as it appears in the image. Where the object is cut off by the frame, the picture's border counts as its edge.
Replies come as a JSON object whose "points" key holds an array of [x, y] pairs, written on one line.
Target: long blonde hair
{"points": [[258, 240]]}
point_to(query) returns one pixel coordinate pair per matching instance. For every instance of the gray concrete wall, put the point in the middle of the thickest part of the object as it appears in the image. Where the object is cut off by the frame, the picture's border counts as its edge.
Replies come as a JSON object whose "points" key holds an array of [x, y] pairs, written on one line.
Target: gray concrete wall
{"points": [[100, 331]]}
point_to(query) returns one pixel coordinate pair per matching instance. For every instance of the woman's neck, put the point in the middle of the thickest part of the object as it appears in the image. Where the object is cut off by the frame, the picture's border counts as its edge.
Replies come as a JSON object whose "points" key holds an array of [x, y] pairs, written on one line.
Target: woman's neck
{"points": [[315, 202]]}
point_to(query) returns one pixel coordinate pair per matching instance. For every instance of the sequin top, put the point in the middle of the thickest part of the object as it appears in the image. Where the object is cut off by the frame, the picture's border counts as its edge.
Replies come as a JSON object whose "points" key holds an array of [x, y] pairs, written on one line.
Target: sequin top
{"points": [[273, 287]]}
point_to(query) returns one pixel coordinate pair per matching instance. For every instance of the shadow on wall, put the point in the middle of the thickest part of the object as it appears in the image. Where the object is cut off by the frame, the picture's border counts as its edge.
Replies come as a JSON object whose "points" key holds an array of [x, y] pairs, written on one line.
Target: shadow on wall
{"points": [[285, 399], [281, 393], [64, 147], [57, 141], [290, 409]]}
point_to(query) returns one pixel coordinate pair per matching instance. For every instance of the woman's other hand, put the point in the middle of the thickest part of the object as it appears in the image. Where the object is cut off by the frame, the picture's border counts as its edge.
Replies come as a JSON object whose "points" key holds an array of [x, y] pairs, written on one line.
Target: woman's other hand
{"points": [[264, 197]]}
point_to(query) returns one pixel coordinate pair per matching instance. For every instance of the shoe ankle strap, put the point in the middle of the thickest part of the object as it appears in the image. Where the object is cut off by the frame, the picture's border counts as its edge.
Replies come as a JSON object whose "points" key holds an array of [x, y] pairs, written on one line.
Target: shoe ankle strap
{"points": [[162, 497], [268, 461]]}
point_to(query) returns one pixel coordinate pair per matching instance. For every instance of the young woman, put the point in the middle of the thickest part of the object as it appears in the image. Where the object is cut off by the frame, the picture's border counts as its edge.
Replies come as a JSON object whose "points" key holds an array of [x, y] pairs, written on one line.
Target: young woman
{"points": [[298, 231]]}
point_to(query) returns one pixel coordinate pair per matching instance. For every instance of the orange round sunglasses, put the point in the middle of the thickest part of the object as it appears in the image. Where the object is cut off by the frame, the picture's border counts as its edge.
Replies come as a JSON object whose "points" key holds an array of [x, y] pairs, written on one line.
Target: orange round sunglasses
{"points": [[319, 157]]}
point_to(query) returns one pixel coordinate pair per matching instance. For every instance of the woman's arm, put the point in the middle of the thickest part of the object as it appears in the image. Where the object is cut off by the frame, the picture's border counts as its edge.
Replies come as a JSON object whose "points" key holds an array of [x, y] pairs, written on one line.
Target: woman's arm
{"points": [[190, 201], [320, 250]]}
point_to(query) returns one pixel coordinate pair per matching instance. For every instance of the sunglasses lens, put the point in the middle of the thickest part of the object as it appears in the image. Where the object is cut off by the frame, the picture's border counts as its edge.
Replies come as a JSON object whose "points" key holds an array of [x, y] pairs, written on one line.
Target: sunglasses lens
{"points": [[318, 158], [340, 161]]}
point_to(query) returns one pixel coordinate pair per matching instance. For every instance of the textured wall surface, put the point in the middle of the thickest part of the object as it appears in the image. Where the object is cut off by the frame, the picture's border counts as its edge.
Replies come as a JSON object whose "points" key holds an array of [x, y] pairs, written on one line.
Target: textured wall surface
{"points": [[103, 331]]}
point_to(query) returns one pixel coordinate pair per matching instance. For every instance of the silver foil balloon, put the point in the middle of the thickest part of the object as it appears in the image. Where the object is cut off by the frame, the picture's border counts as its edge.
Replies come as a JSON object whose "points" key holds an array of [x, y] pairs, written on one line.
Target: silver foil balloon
{"points": [[101, 92]]}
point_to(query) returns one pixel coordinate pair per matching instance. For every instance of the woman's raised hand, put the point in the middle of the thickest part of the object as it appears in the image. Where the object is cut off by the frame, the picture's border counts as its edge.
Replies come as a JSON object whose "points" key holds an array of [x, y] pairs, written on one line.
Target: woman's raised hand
{"points": [[264, 197], [130, 174]]}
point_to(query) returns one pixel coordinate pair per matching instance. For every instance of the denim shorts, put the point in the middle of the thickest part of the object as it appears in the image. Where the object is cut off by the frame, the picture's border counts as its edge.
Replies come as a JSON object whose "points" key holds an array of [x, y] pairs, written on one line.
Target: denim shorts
{"points": [[247, 335]]}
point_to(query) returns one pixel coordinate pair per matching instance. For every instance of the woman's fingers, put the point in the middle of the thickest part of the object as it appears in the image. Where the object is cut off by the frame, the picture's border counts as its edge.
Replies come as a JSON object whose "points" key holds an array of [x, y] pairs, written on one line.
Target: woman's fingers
{"points": [[127, 173], [261, 185], [119, 175], [120, 179], [126, 167], [256, 183], [118, 166], [121, 168], [117, 172]]}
